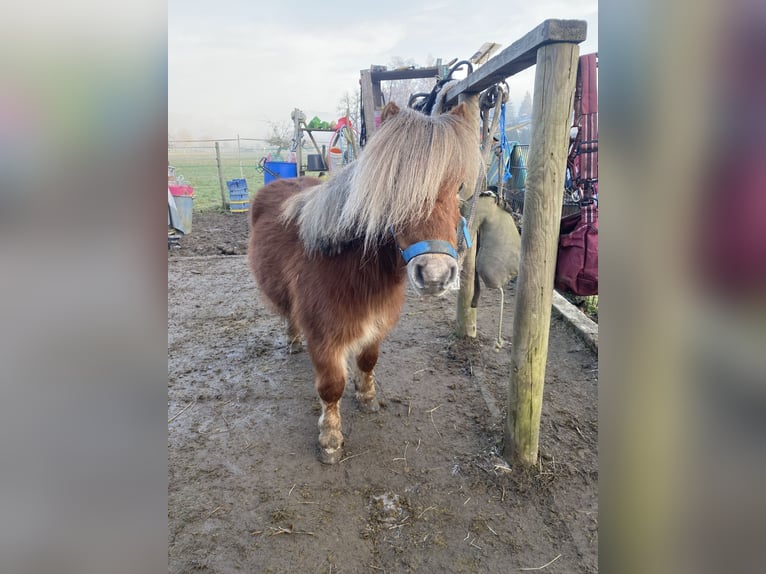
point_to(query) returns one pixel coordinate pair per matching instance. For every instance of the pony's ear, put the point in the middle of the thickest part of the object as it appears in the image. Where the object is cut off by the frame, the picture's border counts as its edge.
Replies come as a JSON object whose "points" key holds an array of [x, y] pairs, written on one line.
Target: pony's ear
{"points": [[389, 111], [459, 110]]}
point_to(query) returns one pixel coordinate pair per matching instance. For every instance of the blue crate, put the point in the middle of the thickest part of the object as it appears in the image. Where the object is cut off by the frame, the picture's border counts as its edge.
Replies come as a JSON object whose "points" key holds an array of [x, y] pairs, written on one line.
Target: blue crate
{"points": [[237, 184], [238, 195], [239, 206]]}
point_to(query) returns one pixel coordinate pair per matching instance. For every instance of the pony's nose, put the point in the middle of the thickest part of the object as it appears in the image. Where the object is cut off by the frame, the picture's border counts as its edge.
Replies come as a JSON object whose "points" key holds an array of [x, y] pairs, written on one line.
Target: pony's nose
{"points": [[432, 274]]}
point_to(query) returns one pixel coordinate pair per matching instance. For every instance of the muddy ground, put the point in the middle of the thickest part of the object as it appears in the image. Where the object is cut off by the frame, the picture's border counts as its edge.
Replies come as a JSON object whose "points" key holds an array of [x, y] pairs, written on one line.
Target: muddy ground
{"points": [[421, 487]]}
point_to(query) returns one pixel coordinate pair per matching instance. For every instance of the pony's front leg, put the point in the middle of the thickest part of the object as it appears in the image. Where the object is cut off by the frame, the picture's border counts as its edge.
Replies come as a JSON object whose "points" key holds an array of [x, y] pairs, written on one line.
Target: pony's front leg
{"points": [[365, 381], [330, 382], [294, 342]]}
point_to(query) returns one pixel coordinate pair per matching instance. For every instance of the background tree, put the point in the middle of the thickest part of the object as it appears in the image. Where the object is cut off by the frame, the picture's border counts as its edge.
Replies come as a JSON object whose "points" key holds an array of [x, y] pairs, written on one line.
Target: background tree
{"points": [[349, 102], [523, 133], [281, 136], [525, 108], [399, 91], [510, 113]]}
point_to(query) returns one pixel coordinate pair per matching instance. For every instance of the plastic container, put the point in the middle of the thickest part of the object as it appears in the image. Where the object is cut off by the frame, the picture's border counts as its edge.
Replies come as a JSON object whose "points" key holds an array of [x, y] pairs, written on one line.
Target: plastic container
{"points": [[335, 158], [183, 195], [239, 206], [315, 162], [237, 189], [279, 170]]}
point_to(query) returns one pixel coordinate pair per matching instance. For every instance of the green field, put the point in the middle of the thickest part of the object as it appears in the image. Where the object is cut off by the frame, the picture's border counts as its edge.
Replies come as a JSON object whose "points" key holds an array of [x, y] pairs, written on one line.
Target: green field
{"points": [[200, 170]]}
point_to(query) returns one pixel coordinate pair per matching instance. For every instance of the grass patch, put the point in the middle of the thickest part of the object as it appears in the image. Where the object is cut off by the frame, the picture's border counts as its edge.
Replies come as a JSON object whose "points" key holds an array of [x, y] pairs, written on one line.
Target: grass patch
{"points": [[587, 304], [199, 169]]}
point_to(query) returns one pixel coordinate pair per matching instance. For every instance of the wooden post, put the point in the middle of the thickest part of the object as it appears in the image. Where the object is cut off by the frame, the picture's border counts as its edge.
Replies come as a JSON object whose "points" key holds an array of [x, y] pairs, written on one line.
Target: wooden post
{"points": [[466, 314], [239, 158], [552, 104], [297, 133], [520, 55], [224, 199], [465, 324], [368, 102]]}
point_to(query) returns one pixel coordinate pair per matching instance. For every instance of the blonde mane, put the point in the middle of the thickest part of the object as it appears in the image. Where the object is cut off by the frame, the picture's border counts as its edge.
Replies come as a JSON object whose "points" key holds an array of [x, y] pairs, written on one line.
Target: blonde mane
{"points": [[395, 181]]}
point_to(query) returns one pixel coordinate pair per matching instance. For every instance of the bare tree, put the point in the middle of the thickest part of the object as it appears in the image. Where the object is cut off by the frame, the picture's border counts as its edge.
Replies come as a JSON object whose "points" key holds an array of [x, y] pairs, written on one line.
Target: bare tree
{"points": [[349, 103], [525, 108], [281, 136], [399, 91], [510, 112]]}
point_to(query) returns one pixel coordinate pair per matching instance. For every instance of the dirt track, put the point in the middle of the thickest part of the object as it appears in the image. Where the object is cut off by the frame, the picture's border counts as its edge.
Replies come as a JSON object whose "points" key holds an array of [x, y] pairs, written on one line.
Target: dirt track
{"points": [[421, 487]]}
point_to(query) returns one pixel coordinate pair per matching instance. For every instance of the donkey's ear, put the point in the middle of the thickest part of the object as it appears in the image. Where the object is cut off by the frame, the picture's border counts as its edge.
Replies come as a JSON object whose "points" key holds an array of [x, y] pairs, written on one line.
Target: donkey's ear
{"points": [[459, 110], [389, 111]]}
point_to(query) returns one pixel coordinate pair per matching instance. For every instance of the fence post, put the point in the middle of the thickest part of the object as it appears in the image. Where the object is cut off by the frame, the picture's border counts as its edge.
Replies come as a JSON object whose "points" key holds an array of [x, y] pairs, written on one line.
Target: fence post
{"points": [[224, 200], [466, 312], [239, 158], [552, 104]]}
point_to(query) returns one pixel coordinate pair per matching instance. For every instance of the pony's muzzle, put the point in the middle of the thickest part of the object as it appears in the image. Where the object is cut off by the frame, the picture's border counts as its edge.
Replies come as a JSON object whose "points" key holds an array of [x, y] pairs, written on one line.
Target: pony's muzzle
{"points": [[432, 273]]}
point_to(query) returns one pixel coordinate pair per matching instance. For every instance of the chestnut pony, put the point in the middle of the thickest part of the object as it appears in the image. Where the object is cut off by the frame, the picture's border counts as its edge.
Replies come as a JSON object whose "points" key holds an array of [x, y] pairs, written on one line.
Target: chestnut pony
{"points": [[332, 256]]}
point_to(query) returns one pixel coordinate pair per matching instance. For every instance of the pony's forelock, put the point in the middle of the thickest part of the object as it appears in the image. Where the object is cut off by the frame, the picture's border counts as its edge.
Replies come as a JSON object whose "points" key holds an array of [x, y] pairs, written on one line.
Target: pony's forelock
{"points": [[409, 161]]}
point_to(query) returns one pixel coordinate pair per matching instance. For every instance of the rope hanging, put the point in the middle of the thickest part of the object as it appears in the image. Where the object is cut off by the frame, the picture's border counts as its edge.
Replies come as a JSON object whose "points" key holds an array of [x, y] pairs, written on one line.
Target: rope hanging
{"points": [[505, 148]]}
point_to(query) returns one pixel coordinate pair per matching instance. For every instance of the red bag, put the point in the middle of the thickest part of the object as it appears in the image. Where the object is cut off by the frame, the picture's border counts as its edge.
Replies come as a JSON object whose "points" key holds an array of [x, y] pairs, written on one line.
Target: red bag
{"points": [[577, 262]]}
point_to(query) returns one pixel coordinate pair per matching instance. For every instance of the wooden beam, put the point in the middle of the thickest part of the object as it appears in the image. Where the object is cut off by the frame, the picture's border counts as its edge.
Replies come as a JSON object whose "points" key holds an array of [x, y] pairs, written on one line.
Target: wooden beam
{"points": [[465, 319], [224, 195], [368, 102], [372, 97], [551, 107], [311, 137], [298, 116], [406, 74], [519, 56], [466, 312]]}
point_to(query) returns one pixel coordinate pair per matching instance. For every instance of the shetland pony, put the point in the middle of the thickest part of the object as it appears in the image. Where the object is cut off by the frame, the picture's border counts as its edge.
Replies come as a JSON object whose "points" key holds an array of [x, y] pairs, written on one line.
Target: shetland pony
{"points": [[332, 256]]}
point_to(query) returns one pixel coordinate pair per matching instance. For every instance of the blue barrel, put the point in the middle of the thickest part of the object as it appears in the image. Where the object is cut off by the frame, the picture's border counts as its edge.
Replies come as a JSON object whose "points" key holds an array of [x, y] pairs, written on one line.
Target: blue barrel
{"points": [[279, 169]]}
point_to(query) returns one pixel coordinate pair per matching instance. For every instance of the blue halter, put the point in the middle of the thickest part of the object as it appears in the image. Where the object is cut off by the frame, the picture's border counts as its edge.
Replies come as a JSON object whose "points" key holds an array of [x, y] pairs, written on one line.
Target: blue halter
{"points": [[433, 245]]}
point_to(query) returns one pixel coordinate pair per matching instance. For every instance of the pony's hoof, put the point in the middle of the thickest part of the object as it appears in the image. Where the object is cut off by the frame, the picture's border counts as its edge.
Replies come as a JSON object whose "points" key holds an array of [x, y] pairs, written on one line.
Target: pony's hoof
{"points": [[330, 455], [368, 406], [330, 446]]}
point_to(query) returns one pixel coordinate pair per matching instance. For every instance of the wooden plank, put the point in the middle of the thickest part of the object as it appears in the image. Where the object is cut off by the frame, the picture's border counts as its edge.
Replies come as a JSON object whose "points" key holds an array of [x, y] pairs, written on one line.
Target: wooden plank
{"points": [[407, 74], [368, 102], [372, 97], [520, 55], [377, 95], [583, 326], [551, 107]]}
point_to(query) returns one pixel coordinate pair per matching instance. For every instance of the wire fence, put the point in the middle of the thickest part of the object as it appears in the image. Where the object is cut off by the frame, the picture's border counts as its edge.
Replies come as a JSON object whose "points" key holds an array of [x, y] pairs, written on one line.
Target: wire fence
{"points": [[196, 162]]}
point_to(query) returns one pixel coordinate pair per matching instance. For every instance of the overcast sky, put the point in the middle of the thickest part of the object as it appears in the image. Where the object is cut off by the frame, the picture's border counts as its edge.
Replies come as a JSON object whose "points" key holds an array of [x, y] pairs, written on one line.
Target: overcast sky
{"points": [[234, 66]]}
